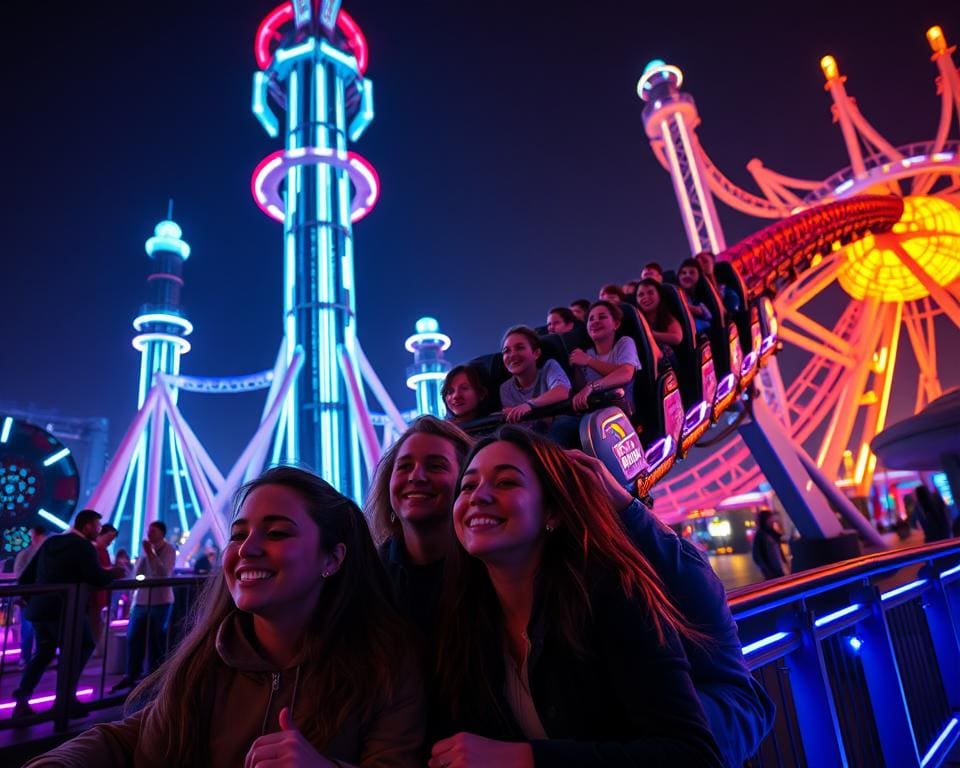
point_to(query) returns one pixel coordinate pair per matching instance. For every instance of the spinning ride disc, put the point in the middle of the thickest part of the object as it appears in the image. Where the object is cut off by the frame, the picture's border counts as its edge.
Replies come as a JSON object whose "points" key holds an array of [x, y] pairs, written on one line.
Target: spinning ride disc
{"points": [[39, 483]]}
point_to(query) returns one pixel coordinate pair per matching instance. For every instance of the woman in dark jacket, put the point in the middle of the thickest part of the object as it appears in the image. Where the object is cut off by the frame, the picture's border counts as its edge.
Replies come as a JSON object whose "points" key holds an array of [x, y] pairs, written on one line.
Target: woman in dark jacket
{"points": [[559, 646]]}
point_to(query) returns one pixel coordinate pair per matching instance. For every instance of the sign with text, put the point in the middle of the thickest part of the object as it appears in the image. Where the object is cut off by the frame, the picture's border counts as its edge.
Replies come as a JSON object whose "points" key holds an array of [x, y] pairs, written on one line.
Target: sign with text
{"points": [[329, 10]]}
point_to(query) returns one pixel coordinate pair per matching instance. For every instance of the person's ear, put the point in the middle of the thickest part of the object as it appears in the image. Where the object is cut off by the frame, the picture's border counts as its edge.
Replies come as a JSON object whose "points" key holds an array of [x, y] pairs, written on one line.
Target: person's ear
{"points": [[330, 562]]}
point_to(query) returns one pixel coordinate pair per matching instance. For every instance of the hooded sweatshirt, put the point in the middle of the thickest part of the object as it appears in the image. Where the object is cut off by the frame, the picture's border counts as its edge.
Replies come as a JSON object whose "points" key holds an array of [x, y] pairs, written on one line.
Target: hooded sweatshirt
{"points": [[244, 696]]}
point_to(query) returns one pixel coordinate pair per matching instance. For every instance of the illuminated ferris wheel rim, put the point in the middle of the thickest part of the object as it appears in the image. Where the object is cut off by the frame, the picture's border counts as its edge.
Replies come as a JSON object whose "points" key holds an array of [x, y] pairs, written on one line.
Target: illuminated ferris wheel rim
{"points": [[917, 158], [269, 30]]}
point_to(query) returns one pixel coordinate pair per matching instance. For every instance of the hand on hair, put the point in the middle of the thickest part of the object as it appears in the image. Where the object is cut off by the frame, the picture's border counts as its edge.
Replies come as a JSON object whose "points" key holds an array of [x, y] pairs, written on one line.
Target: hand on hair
{"points": [[619, 497], [517, 412], [466, 750], [287, 748]]}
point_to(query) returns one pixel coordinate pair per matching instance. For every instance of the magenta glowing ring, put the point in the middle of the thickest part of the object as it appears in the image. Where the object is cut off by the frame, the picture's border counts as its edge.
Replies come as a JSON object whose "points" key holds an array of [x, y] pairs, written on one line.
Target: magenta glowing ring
{"points": [[269, 31], [272, 170]]}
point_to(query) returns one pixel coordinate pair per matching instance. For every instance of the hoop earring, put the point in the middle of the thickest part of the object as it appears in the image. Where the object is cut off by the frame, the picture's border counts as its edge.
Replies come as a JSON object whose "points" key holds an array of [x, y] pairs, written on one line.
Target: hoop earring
{"points": [[393, 517]]}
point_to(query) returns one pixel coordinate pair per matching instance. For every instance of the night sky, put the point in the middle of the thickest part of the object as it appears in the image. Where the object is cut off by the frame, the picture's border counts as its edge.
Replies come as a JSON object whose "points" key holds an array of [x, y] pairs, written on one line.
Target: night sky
{"points": [[508, 138]]}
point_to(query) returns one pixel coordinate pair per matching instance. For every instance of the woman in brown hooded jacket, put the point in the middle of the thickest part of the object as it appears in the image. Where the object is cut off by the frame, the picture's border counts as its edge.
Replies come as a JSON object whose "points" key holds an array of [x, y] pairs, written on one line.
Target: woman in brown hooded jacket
{"points": [[297, 656]]}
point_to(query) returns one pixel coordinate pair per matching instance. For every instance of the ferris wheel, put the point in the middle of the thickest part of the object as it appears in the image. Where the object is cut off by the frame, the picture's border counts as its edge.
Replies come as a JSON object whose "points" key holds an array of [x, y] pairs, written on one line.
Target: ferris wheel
{"points": [[895, 285]]}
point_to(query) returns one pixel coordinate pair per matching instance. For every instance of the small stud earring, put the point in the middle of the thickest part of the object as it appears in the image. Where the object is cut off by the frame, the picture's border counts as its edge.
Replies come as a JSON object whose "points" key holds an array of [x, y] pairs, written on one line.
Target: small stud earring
{"points": [[549, 528]]}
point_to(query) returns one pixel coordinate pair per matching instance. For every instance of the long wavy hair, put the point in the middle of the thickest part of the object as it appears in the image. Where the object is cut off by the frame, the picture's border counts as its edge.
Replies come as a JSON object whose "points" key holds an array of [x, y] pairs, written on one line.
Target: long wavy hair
{"points": [[588, 540], [662, 314], [356, 630], [384, 521]]}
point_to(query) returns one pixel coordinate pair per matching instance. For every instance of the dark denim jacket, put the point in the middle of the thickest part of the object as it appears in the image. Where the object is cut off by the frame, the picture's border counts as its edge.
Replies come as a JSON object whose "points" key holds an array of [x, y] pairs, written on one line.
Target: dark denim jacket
{"points": [[738, 709]]}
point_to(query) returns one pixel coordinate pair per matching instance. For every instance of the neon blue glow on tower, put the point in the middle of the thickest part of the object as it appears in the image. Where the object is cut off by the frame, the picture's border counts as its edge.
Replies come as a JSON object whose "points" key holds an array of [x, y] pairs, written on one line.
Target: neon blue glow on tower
{"points": [[429, 368], [314, 74], [162, 328]]}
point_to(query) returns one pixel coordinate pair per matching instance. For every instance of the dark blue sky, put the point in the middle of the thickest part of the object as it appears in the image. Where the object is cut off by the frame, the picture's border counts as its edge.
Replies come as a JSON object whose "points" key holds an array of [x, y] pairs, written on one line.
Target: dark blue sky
{"points": [[508, 139]]}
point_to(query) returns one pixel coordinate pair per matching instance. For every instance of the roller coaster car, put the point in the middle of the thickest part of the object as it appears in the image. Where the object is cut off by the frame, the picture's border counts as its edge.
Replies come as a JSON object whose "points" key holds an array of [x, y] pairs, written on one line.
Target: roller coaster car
{"points": [[747, 320], [697, 376], [659, 409], [725, 345]]}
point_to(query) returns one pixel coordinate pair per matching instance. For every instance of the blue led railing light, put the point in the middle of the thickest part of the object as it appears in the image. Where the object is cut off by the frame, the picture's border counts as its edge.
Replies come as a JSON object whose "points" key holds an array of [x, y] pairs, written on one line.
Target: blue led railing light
{"points": [[764, 642], [904, 589], [831, 617], [940, 739]]}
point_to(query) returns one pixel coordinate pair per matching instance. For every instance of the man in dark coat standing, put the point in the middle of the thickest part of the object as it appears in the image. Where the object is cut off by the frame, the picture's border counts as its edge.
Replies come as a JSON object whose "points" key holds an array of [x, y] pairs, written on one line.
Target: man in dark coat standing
{"points": [[69, 558], [767, 553]]}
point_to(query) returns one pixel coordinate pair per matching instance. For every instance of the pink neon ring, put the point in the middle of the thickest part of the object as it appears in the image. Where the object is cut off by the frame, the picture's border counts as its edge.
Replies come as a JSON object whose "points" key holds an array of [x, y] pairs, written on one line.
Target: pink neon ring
{"points": [[272, 170], [269, 30]]}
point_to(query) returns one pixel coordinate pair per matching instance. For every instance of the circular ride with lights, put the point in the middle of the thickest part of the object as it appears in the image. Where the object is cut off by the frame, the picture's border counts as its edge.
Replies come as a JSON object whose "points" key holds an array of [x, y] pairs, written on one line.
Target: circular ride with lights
{"points": [[904, 279], [39, 482]]}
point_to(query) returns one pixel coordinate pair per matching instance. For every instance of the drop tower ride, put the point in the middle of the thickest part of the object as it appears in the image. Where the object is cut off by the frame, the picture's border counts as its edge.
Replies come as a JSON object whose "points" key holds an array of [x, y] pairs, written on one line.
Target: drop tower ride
{"points": [[312, 57]]}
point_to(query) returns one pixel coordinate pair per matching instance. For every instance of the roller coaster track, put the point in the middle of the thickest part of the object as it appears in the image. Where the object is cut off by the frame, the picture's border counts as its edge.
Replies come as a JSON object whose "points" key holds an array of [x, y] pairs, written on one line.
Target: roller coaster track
{"points": [[787, 258]]}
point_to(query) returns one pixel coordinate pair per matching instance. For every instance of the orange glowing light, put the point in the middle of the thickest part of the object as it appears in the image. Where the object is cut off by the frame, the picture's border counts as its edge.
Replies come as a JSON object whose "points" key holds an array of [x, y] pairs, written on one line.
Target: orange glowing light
{"points": [[829, 66], [938, 43], [928, 232]]}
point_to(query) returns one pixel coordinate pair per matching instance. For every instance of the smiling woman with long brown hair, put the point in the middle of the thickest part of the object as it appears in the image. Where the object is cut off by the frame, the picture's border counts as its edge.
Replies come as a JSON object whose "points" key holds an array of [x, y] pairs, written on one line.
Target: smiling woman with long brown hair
{"points": [[558, 644], [297, 654]]}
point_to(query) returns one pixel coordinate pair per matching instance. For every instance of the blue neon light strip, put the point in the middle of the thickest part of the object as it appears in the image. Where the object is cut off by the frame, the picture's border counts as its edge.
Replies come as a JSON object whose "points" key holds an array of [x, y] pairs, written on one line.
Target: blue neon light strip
{"points": [[53, 458], [943, 575], [831, 617], [53, 519], [763, 643], [940, 739], [7, 424], [901, 590]]}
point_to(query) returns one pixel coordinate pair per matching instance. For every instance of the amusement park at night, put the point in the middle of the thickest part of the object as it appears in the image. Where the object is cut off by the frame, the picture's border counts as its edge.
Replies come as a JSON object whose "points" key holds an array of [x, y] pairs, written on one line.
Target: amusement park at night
{"points": [[494, 384]]}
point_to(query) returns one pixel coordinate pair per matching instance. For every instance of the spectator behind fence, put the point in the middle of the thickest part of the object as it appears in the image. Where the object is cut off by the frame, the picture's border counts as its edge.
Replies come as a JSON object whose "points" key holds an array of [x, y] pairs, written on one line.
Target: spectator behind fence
{"points": [[932, 516], [652, 271], [665, 327], [557, 644], [409, 508], [688, 277], [610, 363], [37, 536], [150, 612], [206, 561], [580, 307], [297, 657], [100, 599], [560, 320], [464, 394], [532, 386], [767, 545], [69, 558]]}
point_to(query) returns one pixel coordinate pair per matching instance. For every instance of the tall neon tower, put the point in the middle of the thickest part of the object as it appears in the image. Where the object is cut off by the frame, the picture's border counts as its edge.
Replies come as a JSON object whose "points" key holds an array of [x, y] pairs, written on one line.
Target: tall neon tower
{"points": [[156, 485], [670, 118], [429, 368], [311, 59]]}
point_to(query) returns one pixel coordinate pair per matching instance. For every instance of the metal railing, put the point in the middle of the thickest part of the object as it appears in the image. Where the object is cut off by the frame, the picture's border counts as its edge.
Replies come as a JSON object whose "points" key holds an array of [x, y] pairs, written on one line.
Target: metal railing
{"points": [[53, 696], [862, 659]]}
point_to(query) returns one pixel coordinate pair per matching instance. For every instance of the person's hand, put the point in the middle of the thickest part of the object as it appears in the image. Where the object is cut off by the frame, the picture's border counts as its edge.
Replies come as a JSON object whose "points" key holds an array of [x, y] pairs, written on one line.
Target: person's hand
{"points": [[466, 750], [147, 547], [118, 571], [580, 399], [517, 412], [287, 748], [579, 357], [619, 497]]}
